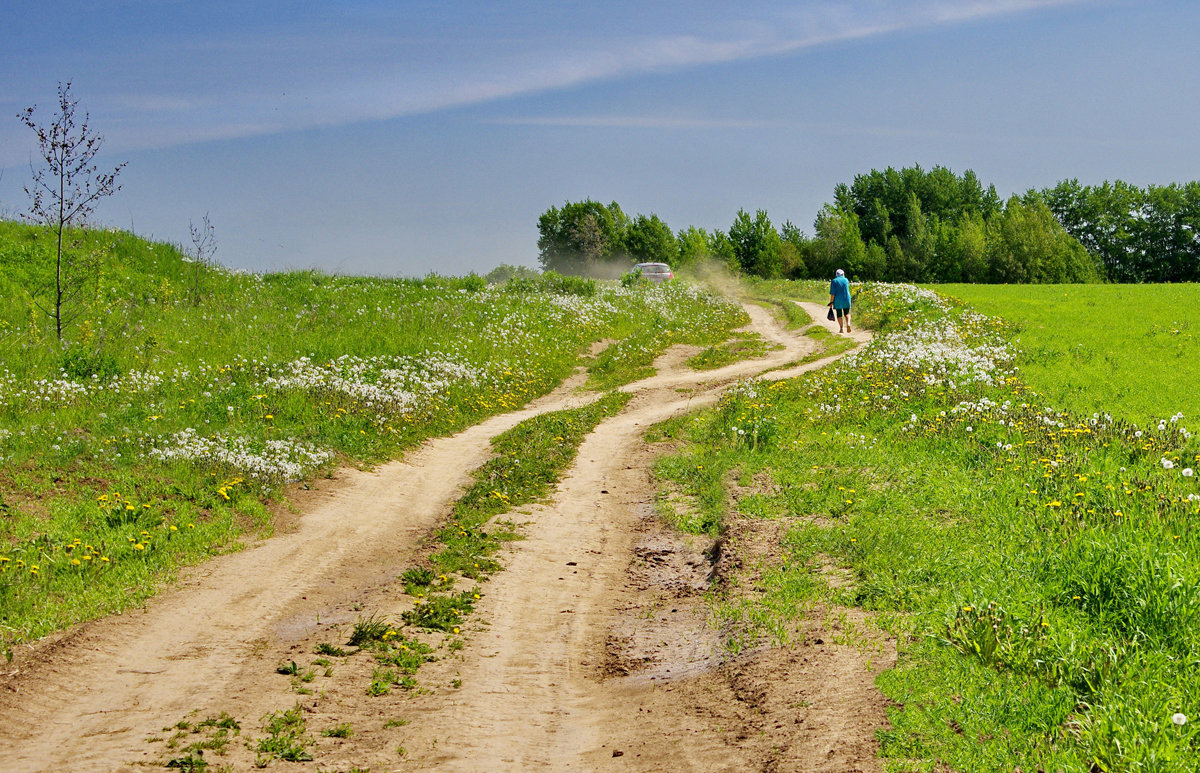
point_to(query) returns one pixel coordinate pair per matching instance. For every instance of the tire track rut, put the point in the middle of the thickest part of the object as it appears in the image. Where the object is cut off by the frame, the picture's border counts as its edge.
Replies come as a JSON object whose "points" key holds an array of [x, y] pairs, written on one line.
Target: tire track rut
{"points": [[530, 695]]}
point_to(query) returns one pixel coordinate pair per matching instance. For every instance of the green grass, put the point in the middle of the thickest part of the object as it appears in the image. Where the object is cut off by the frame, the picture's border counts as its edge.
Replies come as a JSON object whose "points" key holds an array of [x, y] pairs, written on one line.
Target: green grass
{"points": [[339, 731], [528, 461], [1130, 350], [286, 738], [1036, 566], [664, 324], [781, 294], [740, 346], [158, 432]]}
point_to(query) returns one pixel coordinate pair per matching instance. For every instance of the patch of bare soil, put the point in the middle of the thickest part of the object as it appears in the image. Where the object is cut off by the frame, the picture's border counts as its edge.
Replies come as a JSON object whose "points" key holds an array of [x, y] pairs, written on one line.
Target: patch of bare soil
{"points": [[661, 630], [807, 706], [573, 660]]}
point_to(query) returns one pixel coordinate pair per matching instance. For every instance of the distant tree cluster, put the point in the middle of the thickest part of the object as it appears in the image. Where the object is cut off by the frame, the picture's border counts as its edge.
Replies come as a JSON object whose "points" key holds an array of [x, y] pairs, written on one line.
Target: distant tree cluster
{"points": [[1147, 234], [917, 226], [913, 225], [580, 237]]}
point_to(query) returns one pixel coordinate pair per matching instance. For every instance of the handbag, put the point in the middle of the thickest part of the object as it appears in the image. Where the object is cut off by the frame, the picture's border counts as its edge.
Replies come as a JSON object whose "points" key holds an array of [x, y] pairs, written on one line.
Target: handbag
{"points": [[830, 316]]}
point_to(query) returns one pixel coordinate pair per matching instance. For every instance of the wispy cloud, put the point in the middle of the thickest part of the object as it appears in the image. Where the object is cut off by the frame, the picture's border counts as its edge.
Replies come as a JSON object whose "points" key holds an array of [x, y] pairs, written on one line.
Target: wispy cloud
{"points": [[805, 128], [237, 83], [636, 122]]}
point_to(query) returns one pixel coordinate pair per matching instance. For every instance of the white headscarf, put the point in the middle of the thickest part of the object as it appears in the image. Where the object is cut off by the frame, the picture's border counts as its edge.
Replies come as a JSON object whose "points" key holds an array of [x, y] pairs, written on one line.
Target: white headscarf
{"points": [[839, 272]]}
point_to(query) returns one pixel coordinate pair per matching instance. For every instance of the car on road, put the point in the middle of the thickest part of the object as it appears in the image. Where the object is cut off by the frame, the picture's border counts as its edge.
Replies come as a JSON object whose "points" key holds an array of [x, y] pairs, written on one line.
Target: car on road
{"points": [[655, 272]]}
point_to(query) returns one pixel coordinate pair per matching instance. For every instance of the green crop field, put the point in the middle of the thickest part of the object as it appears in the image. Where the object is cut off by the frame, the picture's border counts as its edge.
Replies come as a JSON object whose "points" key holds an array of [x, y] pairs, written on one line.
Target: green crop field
{"points": [[185, 397], [1132, 350], [1035, 564]]}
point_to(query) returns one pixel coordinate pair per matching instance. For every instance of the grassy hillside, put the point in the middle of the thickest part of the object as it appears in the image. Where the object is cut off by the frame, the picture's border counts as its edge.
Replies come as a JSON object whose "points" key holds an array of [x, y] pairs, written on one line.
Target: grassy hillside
{"points": [[1133, 350], [1037, 566], [154, 434]]}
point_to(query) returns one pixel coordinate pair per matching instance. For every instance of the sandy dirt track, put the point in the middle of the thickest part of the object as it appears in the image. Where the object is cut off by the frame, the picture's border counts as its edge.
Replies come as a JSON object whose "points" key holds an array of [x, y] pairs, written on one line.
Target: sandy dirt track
{"points": [[533, 688]]}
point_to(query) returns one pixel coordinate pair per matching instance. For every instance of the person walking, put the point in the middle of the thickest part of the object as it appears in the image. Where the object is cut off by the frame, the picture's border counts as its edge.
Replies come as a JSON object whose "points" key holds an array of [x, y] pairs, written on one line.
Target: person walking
{"points": [[839, 299]]}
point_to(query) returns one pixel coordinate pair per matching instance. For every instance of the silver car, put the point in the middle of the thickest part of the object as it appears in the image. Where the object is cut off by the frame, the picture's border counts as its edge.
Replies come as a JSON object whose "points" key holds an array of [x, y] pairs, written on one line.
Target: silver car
{"points": [[655, 272]]}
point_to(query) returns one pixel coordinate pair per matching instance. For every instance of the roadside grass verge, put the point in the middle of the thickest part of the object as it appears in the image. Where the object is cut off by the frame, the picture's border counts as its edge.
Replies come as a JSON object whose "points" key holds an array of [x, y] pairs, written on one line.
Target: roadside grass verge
{"points": [[167, 422], [780, 294], [1036, 566]]}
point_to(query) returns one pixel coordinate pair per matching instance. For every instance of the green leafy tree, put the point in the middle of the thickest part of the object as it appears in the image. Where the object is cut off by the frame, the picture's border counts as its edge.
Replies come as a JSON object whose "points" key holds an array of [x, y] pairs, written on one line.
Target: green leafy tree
{"points": [[756, 244], [874, 263], [962, 250], [695, 246], [721, 247], [504, 272], [1169, 237], [1028, 245], [1137, 235], [1101, 218], [796, 245], [577, 237], [63, 195], [838, 244], [882, 199], [650, 240], [914, 218]]}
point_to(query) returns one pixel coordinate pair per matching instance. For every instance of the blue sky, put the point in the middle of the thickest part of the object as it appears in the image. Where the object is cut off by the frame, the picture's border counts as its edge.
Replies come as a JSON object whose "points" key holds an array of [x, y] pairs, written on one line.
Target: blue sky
{"points": [[401, 138]]}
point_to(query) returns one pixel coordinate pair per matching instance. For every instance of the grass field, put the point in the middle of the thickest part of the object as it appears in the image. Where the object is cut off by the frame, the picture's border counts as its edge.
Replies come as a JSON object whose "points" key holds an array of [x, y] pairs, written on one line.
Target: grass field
{"points": [[1132, 350], [184, 398], [1037, 566]]}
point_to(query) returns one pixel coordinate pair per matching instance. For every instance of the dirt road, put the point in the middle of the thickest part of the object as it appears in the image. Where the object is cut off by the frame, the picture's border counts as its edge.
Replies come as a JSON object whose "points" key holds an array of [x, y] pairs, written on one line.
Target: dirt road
{"points": [[540, 681]]}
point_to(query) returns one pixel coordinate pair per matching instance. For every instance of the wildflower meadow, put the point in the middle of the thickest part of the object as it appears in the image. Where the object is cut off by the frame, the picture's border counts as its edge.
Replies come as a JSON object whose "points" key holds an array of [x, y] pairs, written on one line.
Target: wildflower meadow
{"points": [[186, 398]]}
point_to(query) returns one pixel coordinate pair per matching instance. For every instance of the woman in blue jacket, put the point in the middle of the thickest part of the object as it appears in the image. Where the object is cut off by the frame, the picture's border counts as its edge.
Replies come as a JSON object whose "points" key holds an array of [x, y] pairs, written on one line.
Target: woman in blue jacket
{"points": [[839, 299]]}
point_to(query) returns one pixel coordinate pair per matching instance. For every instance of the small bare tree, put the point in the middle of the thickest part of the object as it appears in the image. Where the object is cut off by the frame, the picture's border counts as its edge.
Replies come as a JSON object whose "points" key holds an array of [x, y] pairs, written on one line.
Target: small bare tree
{"points": [[65, 189], [204, 247]]}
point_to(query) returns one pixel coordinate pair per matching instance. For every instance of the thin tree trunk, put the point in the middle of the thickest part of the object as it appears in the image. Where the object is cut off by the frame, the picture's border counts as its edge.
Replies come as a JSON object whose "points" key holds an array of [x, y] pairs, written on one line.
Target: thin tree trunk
{"points": [[58, 288]]}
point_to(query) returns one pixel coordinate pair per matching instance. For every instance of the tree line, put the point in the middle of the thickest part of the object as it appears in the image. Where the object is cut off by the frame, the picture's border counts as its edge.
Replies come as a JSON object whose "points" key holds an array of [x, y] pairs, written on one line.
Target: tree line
{"points": [[913, 225]]}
